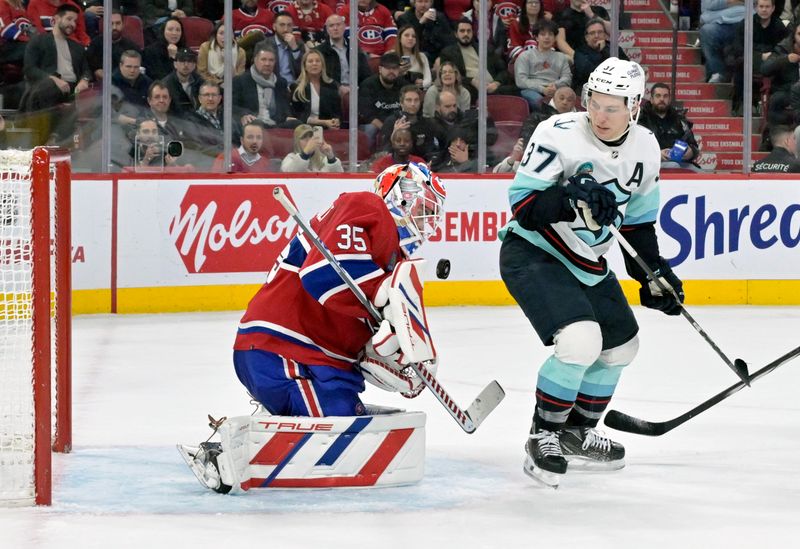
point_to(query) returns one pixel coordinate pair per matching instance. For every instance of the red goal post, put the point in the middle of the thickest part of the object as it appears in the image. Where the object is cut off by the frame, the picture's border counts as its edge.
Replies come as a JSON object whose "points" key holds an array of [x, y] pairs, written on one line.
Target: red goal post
{"points": [[35, 321]]}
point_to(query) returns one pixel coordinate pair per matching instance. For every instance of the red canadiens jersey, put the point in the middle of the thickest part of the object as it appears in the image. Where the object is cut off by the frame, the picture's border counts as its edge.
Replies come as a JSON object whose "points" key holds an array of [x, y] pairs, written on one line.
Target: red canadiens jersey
{"points": [[377, 32], [304, 311], [518, 41], [275, 6], [244, 23], [14, 24], [310, 24], [42, 14], [506, 9]]}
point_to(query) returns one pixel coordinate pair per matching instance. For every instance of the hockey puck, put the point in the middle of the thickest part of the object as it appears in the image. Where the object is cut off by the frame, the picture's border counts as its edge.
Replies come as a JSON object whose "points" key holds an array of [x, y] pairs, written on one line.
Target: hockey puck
{"points": [[443, 269]]}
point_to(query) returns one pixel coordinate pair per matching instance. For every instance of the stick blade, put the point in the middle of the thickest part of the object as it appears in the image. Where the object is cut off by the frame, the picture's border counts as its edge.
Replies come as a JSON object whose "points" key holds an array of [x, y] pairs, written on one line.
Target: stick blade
{"points": [[629, 424], [483, 405], [740, 366]]}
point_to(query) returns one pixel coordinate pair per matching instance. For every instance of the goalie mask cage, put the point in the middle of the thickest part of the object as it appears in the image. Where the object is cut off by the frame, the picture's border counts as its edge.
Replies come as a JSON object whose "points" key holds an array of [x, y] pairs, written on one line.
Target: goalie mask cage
{"points": [[35, 324]]}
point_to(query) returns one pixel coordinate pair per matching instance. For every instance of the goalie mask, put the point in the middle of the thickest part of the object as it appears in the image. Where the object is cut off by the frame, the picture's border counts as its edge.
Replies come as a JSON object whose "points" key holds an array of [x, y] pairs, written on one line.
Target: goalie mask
{"points": [[415, 197], [617, 77]]}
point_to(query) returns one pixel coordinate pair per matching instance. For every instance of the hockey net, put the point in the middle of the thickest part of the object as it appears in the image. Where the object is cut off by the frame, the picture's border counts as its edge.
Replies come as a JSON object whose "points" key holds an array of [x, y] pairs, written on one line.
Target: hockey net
{"points": [[35, 324]]}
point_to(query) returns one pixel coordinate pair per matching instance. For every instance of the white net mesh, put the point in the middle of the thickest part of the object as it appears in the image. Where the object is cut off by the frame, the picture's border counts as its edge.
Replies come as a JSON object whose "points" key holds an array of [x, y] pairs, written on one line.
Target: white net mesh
{"points": [[16, 329]]}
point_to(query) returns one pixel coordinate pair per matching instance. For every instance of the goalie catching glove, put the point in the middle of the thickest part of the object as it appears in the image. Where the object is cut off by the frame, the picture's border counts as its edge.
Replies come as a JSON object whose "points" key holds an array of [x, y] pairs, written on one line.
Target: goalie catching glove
{"points": [[403, 336], [653, 297]]}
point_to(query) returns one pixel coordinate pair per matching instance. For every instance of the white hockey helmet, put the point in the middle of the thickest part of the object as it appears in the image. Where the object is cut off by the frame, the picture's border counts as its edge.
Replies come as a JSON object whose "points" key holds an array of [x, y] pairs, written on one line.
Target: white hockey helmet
{"points": [[617, 77], [415, 197]]}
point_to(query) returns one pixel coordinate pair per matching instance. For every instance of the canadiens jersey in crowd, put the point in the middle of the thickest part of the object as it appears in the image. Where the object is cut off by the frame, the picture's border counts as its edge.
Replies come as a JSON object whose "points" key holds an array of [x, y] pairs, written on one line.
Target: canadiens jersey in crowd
{"points": [[244, 23], [304, 311], [377, 31], [564, 145]]}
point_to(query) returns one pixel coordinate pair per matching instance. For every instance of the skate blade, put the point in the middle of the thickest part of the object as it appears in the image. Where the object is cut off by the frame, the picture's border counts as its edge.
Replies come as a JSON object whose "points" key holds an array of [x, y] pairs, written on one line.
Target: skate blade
{"points": [[577, 463], [199, 469], [545, 478]]}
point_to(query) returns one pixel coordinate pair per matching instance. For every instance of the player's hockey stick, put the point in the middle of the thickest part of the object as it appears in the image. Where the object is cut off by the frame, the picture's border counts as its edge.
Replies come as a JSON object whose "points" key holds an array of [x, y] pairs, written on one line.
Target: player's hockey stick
{"points": [[623, 422], [738, 366], [484, 403]]}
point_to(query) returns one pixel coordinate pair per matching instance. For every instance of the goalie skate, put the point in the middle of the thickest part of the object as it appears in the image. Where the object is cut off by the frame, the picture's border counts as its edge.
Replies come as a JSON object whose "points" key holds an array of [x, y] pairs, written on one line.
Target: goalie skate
{"points": [[202, 460], [544, 462], [586, 449]]}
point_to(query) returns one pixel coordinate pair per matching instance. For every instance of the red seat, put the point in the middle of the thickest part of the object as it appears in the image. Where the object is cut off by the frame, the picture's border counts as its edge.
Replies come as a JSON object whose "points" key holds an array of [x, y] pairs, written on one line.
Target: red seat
{"points": [[507, 108], [507, 135], [132, 29], [196, 30], [340, 141]]}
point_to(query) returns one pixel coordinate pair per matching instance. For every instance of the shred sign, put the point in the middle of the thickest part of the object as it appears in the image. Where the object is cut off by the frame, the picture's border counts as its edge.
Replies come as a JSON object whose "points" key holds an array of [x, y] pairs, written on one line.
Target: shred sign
{"points": [[230, 228]]}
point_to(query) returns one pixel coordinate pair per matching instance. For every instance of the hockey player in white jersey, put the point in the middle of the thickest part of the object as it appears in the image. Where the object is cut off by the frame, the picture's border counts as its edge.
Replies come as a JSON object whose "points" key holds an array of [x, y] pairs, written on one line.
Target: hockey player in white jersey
{"points": [[582, 170]]}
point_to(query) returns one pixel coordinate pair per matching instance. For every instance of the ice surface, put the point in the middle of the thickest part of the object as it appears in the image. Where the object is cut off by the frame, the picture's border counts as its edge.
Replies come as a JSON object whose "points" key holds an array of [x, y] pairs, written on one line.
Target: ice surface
{"points": [[728, 478]]}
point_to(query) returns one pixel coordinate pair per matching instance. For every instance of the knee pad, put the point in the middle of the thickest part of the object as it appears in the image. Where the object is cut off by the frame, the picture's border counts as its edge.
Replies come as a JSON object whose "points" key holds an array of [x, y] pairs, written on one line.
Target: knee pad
{"points": [[621, 355], [579, 343]]}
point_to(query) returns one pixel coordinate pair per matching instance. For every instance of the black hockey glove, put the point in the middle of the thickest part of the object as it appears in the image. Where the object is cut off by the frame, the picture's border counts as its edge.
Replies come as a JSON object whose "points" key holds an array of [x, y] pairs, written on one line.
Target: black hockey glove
{"points": [[582, 187], [651, 295]]}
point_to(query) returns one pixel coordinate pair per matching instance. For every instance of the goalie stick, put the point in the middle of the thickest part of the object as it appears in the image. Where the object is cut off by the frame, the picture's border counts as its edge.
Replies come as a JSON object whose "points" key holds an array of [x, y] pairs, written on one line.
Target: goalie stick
{"points": [[484, 403], [629, 424], [738, 366]]}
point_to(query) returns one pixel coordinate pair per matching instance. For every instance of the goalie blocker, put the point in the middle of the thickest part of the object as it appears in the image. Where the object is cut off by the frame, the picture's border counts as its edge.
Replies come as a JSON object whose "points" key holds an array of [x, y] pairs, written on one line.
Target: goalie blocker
{"points": [[265, 451]]}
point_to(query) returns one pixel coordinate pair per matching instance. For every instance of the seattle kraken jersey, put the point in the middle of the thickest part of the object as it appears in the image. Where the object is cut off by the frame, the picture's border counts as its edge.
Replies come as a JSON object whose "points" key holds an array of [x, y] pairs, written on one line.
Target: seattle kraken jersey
{"points": [[564, 145]]}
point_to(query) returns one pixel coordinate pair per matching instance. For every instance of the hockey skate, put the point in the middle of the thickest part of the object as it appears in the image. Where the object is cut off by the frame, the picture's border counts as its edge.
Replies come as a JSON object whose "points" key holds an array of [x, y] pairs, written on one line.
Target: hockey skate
{"points": [[544, 461], [586, 449], [202, 460]]}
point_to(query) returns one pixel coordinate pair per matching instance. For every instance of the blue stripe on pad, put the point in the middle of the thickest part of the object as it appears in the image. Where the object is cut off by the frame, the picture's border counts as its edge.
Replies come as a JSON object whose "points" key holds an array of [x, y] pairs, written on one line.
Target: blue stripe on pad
{"points": [[343, 441]]}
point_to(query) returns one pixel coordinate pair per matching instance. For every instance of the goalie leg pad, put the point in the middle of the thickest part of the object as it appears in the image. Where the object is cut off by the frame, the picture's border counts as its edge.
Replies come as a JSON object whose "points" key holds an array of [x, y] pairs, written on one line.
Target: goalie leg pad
{"points": [[293, 452]]}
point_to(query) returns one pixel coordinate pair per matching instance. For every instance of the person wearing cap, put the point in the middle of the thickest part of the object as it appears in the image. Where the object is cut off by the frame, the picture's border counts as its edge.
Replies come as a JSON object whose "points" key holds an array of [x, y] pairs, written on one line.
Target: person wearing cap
{"points": [[184, 83], [379, 95], [311, 153]]}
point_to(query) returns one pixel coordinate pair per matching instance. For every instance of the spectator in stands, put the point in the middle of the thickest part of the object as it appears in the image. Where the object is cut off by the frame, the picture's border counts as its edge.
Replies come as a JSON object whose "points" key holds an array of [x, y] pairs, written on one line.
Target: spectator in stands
{"points": [[539, 72], [783, 157], [449, 78], [42, 14], [409, 117], [572, 25], [768, 31], [377, 32], [379, 95], [211, 57], [464, 54], [133, 87], [563, 101], [498, 35], [521, 34], [171, 127], [15, 29], [150, 146], [511, 162], [433, 29], [719, 19], [457, 156], [247, 158], [335, 50], [184, 83], [399, 153], [414, 66], [679, 148], [260, 93], [315, 96], [119, 44], [207, 133], [56, 70], [251, 24], [309, 17], [156, 12], [288, 47], [448, 119], [311, 153], [591, 53], [158, 57], [783, 66], [454, 9]]}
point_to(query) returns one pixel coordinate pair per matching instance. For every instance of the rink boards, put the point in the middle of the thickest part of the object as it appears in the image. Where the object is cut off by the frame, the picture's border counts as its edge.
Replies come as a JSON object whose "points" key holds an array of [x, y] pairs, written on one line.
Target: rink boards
{"points": [[143, 243]]}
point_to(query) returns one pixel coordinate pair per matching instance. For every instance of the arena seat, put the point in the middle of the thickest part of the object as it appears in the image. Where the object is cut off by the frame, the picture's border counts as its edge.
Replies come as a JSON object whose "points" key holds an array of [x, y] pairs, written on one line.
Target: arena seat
{"points": [[507, 108]]}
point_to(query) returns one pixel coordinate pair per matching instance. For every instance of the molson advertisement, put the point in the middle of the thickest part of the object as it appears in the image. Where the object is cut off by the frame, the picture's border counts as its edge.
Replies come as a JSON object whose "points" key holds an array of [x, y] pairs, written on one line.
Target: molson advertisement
{"points": [[207, 244]]}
